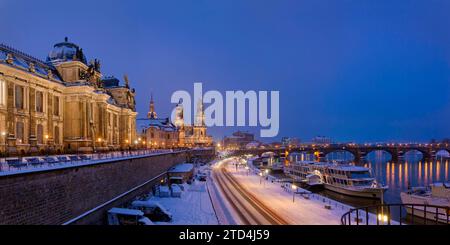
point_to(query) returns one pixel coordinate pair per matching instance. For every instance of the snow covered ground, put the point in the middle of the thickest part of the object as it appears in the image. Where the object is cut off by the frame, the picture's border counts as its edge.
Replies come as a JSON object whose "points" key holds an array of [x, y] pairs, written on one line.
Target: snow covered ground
{"points": [[193, 208], [301, 211]]}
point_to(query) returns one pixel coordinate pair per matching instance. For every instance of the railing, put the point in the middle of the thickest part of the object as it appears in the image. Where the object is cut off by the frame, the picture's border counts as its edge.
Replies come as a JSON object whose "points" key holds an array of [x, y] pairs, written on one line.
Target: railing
{"points": [[381, 214], [14, 164]]}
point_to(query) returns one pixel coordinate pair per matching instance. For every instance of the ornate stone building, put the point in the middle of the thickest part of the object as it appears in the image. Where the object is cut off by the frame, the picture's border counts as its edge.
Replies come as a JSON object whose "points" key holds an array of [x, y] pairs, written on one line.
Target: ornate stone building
{"points": [[62, 104], [162, 133]]}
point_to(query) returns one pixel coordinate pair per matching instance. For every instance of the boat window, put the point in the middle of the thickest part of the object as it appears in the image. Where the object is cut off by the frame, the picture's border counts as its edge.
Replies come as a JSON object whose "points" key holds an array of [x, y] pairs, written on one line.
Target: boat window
{"points": [[360, 175], [362, 183]]}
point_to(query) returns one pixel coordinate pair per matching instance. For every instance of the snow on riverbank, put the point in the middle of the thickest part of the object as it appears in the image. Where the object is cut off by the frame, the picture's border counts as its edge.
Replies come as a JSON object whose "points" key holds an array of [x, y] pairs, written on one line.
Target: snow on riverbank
{"points": [[193, 208], [302, 211]]}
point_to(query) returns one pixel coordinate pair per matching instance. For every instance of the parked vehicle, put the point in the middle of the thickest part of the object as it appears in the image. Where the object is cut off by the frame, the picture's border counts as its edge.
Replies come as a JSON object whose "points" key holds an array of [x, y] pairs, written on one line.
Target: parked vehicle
{"points": [[152, 210], [125, 216]]}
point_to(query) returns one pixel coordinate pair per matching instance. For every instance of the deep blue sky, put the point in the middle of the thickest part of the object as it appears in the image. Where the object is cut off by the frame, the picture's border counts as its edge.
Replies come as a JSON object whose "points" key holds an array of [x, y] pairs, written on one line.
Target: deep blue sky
{"points": [[352, 70]]}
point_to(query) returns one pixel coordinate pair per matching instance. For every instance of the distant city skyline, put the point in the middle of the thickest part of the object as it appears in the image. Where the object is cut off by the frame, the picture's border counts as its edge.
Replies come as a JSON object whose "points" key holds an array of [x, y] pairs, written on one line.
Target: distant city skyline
{"points": [[362, 71]]}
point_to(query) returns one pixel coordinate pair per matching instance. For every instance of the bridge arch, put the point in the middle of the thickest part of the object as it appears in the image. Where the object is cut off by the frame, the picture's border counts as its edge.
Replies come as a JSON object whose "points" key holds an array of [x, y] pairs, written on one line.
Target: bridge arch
{"points": [[379, 151], [301, 155], [349, 154], [443, 152]]}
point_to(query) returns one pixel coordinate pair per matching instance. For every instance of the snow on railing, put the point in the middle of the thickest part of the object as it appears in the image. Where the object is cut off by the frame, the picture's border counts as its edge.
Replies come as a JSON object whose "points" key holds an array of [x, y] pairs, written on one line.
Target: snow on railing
{"points": [[13, 165]]}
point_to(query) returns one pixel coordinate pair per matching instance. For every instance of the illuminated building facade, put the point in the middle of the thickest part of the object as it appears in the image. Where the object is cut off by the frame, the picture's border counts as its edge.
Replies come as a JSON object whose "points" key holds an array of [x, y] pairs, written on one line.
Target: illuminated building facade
{"points": [[62, 104]]}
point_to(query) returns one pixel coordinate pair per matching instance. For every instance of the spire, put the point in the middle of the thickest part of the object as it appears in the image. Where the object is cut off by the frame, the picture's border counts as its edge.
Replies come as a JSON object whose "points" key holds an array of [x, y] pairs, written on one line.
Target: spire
{"points": [[200, 117], [152, 114]]}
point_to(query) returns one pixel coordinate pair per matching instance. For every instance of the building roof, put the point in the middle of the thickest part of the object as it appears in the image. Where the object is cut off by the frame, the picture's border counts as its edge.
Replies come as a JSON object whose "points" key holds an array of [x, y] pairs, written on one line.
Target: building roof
{"points": [[66, 51], [160, 123], [182, 168], [126, 211], [24, 62]]}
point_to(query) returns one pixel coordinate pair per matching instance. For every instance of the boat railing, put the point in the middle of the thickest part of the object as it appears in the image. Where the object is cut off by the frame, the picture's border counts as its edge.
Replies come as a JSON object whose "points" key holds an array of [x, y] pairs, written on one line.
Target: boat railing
{"points": [[381, 215]]}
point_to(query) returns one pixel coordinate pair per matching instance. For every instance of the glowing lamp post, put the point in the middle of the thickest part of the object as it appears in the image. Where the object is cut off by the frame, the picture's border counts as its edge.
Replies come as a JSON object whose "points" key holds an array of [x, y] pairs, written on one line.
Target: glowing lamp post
{"points": [[260, 179], [383, 217], [248, 169], [3, 134], [46, 144], [294, 189]]}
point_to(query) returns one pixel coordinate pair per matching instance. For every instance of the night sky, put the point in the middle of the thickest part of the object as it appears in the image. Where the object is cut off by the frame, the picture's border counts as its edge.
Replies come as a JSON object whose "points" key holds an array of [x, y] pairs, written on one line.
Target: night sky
{"points": [[352, 70]]}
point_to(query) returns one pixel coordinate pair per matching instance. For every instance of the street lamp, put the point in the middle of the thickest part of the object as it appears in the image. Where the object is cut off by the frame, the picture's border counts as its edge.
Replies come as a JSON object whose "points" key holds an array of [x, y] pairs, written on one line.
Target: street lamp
{"points": [[248, 169], [46, 144], [383, 217], [260, 175], [294, 189]]}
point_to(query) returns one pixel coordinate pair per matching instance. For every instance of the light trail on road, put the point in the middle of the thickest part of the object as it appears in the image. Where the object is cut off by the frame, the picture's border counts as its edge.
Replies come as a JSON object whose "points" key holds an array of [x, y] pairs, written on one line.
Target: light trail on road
{"points": [[249, 209]]}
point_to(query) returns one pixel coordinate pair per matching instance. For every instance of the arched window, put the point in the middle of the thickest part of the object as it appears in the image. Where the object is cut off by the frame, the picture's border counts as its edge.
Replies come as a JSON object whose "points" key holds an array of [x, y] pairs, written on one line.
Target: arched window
{"points": [[2, 93], [40, 134], [20, 132], [57, 142]]}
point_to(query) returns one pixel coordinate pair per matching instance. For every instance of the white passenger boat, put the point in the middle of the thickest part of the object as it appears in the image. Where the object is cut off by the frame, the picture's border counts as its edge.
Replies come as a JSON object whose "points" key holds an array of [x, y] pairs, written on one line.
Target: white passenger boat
{"points": [[437, 194], [342, 178]]}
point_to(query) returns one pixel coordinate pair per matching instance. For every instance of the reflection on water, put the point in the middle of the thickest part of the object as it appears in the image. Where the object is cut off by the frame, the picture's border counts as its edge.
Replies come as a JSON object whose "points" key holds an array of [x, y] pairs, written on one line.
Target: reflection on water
{"points": [[412, 171]]}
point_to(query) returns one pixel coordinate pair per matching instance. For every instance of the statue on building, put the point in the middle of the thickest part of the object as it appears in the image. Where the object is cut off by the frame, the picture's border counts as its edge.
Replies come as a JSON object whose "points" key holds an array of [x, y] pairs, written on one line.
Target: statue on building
{"points": [[127, 82]]}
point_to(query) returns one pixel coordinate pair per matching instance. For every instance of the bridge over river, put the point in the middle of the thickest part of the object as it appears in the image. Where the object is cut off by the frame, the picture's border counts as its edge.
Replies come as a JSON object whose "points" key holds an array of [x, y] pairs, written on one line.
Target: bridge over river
{"points": [[359, 151]]}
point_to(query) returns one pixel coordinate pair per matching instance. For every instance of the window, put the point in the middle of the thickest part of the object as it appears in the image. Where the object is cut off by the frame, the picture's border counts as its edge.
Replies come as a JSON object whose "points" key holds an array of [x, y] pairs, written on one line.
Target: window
{"points": [[19, 97], [360, 175], [56, 135], [39, 101], [19, 132], [2, 93], [40, 134], [56, 106]]}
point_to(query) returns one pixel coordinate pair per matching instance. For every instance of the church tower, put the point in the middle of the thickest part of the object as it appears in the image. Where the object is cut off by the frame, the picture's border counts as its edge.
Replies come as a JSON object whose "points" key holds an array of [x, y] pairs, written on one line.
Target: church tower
{"points": [[151, 113], [200, 115]]}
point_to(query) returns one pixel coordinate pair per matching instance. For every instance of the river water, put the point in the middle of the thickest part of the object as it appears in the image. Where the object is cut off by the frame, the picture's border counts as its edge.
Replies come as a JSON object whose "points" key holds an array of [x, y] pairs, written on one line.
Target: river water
{"points": [[411, 170]]}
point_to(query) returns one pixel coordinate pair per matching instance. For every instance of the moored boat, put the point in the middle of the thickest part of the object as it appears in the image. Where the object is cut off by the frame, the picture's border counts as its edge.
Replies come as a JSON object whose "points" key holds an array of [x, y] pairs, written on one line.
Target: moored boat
{"points": [[342, 178], [435, 197]]}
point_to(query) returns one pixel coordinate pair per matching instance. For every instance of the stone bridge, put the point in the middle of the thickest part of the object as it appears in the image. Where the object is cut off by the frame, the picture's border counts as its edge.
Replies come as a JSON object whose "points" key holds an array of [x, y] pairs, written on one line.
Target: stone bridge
{"points": [[359, 151]]}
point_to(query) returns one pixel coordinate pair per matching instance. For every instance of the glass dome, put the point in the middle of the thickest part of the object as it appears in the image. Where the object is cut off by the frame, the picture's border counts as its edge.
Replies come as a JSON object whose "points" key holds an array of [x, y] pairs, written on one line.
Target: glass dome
{"points": [[66, 51]]}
